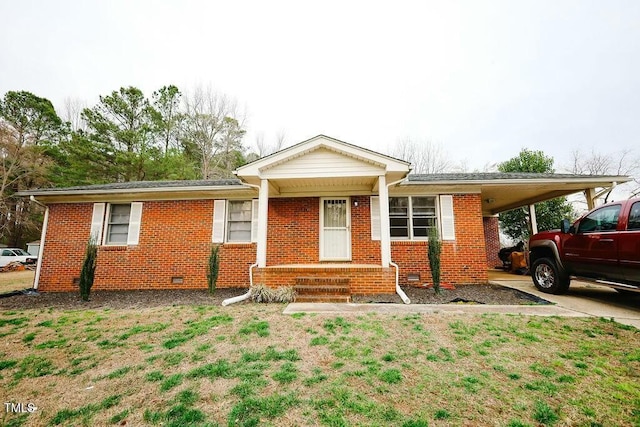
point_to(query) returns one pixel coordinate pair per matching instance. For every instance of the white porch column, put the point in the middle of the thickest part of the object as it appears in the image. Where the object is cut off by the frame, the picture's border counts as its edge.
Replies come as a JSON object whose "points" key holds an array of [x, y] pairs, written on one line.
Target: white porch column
{"points": [[532, 219], [590, 195], [263, 211], [385, 232]]}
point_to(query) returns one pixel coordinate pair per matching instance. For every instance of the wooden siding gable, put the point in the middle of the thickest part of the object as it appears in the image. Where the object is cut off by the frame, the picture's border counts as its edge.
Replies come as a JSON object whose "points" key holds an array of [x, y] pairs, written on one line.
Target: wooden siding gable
{"points": [[322, 162]]}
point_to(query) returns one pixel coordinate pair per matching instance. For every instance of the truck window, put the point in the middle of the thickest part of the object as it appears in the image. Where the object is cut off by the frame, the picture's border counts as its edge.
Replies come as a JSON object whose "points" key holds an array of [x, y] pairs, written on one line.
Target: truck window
{"points": [[634, 217], [604, 219]]}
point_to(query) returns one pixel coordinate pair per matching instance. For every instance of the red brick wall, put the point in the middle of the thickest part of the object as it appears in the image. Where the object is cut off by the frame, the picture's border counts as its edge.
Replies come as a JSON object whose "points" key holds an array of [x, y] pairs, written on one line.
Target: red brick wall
{"points": [[363, 249], [68, 231], [463, 261], [175, 240], [294, 232], [362, 280], [492, 240]]}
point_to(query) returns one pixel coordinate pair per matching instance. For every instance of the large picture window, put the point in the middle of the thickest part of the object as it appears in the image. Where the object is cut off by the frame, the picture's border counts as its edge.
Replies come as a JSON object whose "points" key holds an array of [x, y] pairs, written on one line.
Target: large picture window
{"points": [[239, 221], [412, 217]]}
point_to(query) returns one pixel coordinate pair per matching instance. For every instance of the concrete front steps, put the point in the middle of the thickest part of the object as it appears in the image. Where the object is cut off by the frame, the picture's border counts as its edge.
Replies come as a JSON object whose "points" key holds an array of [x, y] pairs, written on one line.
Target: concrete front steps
{"points": [[322, 289]]}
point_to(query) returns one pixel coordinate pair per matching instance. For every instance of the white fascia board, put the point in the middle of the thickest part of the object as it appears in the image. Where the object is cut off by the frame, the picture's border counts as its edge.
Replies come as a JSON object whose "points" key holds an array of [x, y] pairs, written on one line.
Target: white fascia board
{"points": [[608, 180], [363, 154], [134, 190]]}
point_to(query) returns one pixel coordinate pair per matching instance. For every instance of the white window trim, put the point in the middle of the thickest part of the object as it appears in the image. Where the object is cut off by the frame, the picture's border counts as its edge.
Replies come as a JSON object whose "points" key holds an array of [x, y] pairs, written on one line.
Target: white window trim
{"points": [[411, 237], [105, 226], [219, 232], [227, 220]]}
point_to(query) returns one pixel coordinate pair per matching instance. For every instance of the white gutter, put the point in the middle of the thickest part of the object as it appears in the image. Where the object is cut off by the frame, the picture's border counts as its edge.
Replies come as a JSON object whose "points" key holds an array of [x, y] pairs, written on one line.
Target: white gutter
{"points": [[501, 181], [248, 294], [399, 290], [63, 192], [43, 235]]}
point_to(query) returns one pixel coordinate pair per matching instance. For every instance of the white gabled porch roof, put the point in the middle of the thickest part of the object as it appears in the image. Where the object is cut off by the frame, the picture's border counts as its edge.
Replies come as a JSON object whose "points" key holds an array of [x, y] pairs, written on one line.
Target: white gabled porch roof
{"points": [[323, 165]]}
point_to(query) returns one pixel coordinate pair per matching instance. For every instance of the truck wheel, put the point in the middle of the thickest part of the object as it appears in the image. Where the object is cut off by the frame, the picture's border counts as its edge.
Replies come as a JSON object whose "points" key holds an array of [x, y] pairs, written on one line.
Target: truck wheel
{"points": [[547, 277]]}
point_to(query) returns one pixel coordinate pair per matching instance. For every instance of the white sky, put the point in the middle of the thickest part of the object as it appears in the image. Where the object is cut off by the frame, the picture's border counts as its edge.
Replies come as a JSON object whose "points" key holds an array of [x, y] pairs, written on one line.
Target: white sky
{"points": [[483, 78]]}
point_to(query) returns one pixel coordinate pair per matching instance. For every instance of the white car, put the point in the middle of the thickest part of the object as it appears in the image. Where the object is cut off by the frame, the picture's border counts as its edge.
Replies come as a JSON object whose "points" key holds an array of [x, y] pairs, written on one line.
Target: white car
{"points": [[8, 255]]}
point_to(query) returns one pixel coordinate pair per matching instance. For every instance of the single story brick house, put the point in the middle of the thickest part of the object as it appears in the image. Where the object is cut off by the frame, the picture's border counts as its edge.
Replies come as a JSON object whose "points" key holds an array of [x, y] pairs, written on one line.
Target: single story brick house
{"points": [[321, 208]]}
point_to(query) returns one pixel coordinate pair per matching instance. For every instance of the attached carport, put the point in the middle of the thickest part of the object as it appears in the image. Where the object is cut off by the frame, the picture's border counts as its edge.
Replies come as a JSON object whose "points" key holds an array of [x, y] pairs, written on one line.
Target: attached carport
{"points": [[501, 192]]}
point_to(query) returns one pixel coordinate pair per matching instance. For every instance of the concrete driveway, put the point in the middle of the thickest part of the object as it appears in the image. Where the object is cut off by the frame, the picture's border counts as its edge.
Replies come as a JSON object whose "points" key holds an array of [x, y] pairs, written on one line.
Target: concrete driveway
{"points": [[582, 297]]}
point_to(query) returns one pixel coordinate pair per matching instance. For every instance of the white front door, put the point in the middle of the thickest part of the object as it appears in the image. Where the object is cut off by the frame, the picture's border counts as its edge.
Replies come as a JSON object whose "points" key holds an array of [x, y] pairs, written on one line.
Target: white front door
{"points": [[335, 229]]}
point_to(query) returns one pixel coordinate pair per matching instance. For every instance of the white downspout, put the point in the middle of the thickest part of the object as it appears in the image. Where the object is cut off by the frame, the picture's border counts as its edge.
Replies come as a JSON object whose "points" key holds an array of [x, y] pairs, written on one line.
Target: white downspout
{"points": [[399, 290], [45, 222], [247, 295], [243, 296]]}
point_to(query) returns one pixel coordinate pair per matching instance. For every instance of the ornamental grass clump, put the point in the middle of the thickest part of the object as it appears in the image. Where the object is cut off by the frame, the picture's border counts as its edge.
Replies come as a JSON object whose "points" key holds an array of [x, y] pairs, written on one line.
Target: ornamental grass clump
{"points": [[265, 294], [88, 271]]}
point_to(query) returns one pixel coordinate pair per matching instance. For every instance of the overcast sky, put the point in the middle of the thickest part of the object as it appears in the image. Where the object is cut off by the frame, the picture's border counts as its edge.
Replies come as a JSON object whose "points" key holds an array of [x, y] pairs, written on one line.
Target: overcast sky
{"points": [[482, 78]]}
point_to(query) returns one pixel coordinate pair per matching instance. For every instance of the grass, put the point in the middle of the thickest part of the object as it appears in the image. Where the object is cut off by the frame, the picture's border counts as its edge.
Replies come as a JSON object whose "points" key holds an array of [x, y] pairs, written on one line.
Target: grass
{"points": [[16, 281], [250, 365]]}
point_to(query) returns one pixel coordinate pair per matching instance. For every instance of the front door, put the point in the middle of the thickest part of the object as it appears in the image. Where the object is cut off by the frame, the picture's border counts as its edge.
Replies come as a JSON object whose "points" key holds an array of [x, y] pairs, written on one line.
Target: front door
{"points": [[335, 229]]}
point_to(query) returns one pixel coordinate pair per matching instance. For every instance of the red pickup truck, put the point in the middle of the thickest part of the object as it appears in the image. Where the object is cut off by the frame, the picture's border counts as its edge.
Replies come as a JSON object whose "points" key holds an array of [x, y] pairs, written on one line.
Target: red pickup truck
{"points": [[602, 246]]}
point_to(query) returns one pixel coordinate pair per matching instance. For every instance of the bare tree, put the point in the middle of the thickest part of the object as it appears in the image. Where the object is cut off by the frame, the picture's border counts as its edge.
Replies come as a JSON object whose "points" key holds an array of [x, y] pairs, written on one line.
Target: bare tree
{"points": [[624, 162], [264, 148], [72, 113], [214, 128], [425, 156]]}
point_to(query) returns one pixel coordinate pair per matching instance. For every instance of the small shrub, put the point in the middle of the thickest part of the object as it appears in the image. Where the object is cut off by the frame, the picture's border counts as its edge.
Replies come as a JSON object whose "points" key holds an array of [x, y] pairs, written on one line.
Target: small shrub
{"points": [[214, 268], [88, 269], [434, 249]]}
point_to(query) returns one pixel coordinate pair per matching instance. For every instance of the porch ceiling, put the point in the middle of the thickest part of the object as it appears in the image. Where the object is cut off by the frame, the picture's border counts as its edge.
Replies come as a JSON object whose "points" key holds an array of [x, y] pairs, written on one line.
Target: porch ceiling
{"points": [[501, 197]]}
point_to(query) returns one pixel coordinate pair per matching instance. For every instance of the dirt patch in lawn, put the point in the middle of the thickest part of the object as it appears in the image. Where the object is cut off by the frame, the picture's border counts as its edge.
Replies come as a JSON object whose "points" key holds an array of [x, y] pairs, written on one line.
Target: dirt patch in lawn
{"points": [[470, 294]]}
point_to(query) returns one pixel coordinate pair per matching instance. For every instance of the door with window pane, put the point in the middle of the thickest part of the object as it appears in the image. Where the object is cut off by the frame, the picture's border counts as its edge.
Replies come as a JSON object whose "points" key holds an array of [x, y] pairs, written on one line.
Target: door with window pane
{"points": [[335, 234]]}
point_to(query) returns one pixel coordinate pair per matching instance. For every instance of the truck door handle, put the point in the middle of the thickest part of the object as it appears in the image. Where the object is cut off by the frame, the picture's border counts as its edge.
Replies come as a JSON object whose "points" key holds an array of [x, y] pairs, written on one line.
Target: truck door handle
{"points": [[606, 240]]}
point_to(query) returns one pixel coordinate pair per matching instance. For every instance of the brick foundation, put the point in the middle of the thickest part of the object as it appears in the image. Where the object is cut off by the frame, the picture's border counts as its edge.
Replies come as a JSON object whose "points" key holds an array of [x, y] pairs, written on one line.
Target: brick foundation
{"points": [[363, 280]]}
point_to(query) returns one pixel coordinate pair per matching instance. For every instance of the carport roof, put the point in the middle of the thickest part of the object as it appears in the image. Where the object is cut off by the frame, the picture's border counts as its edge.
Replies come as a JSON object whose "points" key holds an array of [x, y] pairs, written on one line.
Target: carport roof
{"points": [[505, 191]]}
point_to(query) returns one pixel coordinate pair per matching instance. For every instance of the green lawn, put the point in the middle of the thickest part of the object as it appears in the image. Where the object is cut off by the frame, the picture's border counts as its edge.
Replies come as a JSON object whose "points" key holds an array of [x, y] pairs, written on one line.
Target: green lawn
{"points": [[250, 365]]}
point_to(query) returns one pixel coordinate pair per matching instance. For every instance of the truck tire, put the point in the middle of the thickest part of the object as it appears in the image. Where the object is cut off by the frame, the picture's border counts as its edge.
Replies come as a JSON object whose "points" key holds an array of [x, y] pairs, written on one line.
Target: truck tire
{"points": [[547, 277]]}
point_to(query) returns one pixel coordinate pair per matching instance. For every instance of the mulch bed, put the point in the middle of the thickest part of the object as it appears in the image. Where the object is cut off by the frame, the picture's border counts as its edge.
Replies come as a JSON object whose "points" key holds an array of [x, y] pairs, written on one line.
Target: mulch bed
{"points": [[470, 294]]}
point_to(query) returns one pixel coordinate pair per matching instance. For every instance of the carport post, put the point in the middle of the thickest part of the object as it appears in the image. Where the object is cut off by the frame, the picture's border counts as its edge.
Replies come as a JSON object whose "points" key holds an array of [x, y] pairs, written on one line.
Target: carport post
{"points": [[532, 219]]}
